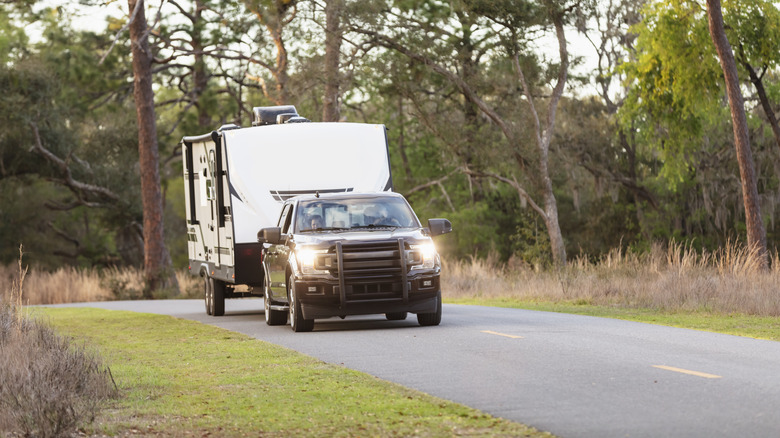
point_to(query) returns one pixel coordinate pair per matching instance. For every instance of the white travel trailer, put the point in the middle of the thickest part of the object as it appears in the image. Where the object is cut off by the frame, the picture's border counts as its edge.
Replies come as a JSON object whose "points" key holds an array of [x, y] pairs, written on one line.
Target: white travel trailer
{"points": [[236, 180]]}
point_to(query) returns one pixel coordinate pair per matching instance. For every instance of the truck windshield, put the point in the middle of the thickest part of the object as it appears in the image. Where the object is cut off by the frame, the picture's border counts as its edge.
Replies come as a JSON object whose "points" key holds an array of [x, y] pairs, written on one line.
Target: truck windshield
{"points": [[350, 213]]}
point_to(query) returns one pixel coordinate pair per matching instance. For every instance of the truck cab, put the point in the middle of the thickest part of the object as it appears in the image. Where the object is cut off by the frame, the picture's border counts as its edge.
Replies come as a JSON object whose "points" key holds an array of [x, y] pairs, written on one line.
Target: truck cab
{"points": [[350, 254]]}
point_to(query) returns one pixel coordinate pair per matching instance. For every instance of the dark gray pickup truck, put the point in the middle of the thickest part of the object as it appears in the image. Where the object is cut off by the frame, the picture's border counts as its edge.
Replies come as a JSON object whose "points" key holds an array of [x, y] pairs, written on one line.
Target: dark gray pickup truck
{"points": [[350, 254]]}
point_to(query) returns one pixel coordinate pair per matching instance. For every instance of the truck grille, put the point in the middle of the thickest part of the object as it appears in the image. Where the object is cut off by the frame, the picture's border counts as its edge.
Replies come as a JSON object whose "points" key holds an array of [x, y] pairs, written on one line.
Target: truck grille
{"points": [[371, 261], [372, 269]]}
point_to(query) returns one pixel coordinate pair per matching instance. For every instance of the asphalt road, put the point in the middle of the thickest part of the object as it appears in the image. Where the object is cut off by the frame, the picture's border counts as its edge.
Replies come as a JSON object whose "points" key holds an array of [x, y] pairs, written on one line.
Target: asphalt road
{"points": [[574, 376]]}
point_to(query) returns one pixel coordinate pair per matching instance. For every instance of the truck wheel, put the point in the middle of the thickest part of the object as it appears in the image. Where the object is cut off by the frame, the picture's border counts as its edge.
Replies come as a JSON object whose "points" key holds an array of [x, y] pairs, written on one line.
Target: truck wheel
{"points": [[217, 296], [207, 295], [395, 316], [297, 322], [273, 317], [427, 319]]}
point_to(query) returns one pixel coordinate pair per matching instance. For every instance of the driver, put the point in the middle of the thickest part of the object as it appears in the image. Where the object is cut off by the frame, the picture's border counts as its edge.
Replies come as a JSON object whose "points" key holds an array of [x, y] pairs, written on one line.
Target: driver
{"points": [[377, 215]]}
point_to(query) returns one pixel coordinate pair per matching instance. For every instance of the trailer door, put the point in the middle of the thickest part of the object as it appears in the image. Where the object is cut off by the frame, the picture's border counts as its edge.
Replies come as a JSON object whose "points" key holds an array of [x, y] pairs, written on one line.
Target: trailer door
{"points": [[218, 194]]}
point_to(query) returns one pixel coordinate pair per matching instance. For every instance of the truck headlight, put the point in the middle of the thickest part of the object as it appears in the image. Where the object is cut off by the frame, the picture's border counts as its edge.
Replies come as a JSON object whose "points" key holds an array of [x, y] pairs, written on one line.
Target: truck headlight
{"points": [[423, 256], [308, 260]]}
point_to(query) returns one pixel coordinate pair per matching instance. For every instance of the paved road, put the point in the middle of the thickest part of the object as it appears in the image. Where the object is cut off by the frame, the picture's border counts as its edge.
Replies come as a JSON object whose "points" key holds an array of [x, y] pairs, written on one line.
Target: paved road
{"points": [[574, 376]]}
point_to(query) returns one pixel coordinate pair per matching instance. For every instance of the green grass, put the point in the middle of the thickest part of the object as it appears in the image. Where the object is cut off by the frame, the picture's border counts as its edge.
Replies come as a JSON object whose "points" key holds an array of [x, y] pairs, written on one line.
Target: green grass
{"points": [[734, 324], [180, 377]]}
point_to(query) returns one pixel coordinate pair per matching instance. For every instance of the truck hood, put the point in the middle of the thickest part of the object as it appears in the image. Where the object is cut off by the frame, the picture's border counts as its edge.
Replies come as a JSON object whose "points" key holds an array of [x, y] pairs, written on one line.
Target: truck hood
{"points": [[330, 237]]}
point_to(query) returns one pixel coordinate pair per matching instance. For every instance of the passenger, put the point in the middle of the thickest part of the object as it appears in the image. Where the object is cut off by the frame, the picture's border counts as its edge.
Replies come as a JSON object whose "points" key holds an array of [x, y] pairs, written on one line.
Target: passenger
{"points": [[317, 222]]}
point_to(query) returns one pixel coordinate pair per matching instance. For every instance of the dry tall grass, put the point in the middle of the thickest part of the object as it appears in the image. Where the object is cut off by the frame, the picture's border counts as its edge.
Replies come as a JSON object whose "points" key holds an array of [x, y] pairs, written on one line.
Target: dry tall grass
{"points": [[668, 277], [726, 281], [73, 285]]}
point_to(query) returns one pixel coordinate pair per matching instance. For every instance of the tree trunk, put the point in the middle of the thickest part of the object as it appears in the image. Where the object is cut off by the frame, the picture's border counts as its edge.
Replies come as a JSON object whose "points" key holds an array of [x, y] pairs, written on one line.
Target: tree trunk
{"points": [[157, 267], [544, 135], [333, 32], [200, 73], [756, 235]]}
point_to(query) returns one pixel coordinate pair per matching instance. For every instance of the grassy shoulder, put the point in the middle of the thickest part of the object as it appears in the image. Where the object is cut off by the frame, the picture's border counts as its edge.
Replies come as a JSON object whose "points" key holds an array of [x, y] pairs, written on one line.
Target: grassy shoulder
{"points": [[182, 377], [733, 324]]}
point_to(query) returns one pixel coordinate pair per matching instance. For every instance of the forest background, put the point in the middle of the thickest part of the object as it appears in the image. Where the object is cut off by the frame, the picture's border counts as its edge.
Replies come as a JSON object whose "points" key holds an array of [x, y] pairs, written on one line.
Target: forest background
{"points": [[496, 118]]}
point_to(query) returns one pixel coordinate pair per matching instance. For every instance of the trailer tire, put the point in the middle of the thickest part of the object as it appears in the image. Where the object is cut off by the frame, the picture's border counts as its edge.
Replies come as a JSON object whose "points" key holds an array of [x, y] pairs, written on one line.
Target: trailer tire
{"points": [[395, 316], [429, 319], [273, 317], [297, 322], [207, 295], [217, 296]]}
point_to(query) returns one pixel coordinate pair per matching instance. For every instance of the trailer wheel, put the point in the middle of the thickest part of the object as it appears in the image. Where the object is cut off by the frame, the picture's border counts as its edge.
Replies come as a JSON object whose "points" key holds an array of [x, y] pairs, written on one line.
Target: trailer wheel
{"points": [[297, 322], [217, 296], [428, 319], [395, 316], [207, 295], [273, 317]]}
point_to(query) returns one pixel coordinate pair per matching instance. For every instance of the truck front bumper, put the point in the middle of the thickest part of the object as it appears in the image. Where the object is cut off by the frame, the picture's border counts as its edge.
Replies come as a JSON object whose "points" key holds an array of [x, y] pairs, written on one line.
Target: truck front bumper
{"points": [[323, 298]]}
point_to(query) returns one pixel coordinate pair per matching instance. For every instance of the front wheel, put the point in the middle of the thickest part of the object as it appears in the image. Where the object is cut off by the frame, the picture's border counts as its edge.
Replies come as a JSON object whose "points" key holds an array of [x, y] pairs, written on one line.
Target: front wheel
{"points": [[273, 317], [428, 319], [297, 322]]}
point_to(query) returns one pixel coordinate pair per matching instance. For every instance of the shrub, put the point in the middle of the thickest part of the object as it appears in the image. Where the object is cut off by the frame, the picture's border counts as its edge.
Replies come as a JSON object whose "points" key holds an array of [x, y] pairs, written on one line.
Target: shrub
{"points": [[48, 384]]}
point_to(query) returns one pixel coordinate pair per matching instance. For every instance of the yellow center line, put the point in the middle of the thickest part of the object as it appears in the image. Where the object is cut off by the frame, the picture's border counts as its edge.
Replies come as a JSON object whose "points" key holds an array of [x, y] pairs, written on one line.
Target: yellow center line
{"points": [[501, 334], [693, 373]]}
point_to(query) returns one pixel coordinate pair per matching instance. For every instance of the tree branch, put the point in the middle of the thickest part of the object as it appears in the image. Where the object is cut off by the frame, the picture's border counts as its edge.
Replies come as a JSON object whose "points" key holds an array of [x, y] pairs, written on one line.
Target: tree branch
{"points": [[121, 31], [75, 186], [512, 182]]}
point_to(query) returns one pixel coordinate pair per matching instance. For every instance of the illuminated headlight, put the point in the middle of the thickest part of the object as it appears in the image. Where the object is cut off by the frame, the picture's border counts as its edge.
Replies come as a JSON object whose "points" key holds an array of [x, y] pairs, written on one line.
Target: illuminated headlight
{"points": [[423, 256], [308, 260]]}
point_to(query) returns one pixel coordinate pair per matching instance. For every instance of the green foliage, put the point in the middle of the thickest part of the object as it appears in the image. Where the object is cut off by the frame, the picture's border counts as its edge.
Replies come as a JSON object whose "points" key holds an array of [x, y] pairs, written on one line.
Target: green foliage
{"points": [[59, 90], [676, 87]]}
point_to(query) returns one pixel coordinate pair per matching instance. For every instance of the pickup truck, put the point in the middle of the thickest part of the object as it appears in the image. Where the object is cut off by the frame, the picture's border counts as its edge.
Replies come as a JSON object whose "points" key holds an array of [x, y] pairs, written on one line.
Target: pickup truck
{"points": [[346, 254]]}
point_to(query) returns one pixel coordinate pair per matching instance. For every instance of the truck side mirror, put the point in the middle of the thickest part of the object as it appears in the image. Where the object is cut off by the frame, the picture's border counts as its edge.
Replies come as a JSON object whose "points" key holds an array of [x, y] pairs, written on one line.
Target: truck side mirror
{"points": [[270, 235], [439, 226]]}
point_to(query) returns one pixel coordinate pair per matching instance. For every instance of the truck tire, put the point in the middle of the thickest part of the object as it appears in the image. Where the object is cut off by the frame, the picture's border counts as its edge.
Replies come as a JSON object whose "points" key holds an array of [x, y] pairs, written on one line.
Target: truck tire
{"points": [[297, 322], [208, 296], [395, 316], [428, 319], [273, 317], [217, 296]]}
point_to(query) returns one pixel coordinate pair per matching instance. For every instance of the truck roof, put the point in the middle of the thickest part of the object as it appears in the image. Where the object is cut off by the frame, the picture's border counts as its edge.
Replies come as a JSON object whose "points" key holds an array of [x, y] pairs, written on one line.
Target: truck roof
{"points": [[346, 195]]}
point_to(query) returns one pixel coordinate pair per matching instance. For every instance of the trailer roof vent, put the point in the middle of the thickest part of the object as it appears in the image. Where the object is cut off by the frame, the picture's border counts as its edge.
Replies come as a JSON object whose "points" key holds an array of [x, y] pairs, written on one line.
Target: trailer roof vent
{"points": [[283, 118], [268, 115], [228, 127]]}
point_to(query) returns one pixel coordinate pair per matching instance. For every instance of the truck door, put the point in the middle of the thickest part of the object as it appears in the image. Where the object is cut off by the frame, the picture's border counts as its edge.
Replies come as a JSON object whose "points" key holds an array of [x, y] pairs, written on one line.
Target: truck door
{"points": [[276, 258]]}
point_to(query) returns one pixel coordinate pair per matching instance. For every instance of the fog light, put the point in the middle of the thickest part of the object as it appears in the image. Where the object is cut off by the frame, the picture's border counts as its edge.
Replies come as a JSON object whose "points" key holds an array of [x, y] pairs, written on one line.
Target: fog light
{"points": [[312, 288], [427, 283]]}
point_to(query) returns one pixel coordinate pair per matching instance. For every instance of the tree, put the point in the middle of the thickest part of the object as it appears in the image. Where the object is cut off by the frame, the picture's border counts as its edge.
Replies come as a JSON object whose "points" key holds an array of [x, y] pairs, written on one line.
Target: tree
{"points": [[513, 19], [756, 235], [676, 105], [64, 149], [157, 265]]}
